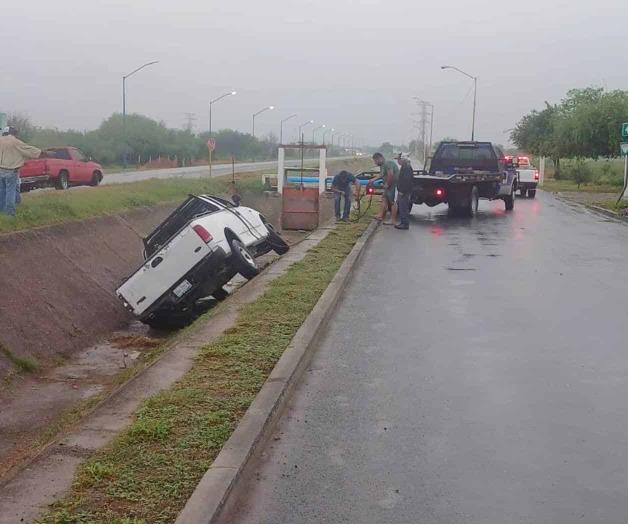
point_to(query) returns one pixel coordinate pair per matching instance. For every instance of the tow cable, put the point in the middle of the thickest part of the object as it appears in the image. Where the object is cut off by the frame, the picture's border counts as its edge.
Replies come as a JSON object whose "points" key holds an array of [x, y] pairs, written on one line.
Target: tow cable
{"points": [[358, 215]]}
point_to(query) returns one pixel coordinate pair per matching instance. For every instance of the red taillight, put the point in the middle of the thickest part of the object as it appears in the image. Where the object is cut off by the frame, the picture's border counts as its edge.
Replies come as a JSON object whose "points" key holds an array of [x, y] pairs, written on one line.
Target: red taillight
{"points": [[203, 233], [536, 175], [440, 192], [370, 191]]}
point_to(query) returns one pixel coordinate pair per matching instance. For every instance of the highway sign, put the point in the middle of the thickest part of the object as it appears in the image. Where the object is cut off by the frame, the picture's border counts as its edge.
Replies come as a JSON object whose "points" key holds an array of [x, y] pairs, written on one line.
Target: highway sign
{"points": [[624, 129], [624, 148], [211, 144]]}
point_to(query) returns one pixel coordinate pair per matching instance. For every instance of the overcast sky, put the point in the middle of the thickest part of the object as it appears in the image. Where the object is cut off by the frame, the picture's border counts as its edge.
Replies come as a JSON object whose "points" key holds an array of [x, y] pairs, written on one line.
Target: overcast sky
{"points": [[353, 65]]}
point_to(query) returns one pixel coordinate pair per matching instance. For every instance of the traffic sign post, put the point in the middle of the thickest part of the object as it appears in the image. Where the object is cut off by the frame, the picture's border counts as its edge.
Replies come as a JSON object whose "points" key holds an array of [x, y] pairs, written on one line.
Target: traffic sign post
{"points": [[211, 145], [624, 152]]}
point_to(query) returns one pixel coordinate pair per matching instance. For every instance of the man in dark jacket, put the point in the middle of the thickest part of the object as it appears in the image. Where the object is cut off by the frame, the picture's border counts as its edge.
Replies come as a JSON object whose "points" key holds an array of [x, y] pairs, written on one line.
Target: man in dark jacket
{"points": [[404, 192], [341, 186]]}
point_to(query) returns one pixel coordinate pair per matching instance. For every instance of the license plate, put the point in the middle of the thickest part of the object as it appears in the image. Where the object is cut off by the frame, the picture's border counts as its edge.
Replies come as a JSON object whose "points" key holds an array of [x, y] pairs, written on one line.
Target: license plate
{"points": [[182, 289]]}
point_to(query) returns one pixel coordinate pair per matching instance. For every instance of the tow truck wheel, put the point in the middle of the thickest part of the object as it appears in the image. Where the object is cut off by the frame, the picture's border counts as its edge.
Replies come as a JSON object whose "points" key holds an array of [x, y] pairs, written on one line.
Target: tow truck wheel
{"points": [[474, 202], [510, 200], [523, 192], [531, 193], [243, 261]]}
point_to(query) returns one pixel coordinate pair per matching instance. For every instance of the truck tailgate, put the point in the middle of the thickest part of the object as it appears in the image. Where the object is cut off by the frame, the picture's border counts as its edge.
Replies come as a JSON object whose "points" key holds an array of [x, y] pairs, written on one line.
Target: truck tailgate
{"points": [[163, 270], [527, 175]]}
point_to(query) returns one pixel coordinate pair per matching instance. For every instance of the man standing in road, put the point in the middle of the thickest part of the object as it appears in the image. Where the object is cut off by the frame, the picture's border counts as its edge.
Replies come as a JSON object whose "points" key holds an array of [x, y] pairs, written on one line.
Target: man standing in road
{"points": [[13, 152], [389, 173], [341, 186], [404, 191]]}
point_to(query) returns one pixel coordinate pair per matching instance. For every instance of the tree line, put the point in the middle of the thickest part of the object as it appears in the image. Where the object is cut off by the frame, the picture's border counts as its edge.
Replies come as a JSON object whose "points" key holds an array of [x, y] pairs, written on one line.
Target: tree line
{"points": [[146, 140], [586, 124]]}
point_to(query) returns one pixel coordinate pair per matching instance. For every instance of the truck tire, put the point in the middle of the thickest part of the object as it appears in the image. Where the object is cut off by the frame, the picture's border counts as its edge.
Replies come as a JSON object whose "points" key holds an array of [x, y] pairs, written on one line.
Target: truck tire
{"points": [[63, 181], [510, 200], [242, 259], [96, 179], [171, 320], [474, 202], [279, 245], [220, 294], [531, 193], [523, 192]]}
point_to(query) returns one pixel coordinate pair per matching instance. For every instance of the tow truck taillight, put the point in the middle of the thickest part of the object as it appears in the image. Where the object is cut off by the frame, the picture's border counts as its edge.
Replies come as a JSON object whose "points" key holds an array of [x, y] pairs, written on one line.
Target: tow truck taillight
{"points": [[440, 192], [536, 175], [203, 233], [370, 190]]}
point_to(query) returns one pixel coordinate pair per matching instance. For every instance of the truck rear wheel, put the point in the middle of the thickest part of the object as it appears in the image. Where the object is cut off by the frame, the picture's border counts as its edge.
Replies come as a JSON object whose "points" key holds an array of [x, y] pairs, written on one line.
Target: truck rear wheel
{"points": [[63, 181], [523, 192], [242, 259], [474, 202], [531, 193], [510, 200]]}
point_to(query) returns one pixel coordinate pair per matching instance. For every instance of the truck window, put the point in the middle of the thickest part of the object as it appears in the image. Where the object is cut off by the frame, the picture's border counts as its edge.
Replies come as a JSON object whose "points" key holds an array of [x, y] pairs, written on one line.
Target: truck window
{"points": [[190, 209], [59, 154], [450, 157], [80, 156]]}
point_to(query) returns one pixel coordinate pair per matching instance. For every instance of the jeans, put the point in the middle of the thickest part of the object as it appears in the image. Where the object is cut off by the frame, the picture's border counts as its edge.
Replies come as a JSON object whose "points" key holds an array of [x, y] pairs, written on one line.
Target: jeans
{"points": [[8, 191], [403, 202], [347, 208]]}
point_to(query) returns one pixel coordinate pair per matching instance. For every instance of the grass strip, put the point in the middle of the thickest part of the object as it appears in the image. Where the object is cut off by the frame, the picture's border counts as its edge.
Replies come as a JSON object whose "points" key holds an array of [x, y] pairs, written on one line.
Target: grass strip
{"points": [[553, 185], [147, 474], [43, 208]]}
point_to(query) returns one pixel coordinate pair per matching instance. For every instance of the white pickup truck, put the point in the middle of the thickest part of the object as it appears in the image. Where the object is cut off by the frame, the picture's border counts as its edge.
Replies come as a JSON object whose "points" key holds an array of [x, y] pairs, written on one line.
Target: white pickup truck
{"points": [[192, 254], [527, 177]]}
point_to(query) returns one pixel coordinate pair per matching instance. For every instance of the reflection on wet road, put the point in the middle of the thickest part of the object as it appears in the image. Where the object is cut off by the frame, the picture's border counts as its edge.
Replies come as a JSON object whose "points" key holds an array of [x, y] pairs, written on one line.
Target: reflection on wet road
{"points": [[476, 372]]}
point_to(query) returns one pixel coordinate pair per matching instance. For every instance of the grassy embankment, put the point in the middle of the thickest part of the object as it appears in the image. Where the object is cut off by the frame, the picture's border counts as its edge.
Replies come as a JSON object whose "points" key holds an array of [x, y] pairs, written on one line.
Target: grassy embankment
{"points": [[149, 471], [53, 207]]}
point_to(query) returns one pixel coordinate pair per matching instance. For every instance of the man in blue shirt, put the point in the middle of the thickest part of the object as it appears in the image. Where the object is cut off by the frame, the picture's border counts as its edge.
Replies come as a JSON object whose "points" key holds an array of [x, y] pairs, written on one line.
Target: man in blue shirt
{"points": [[341, 186]]}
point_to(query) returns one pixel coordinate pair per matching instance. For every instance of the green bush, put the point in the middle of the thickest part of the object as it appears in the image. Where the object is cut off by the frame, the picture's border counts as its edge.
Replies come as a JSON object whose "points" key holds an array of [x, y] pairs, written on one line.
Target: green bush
{"points": [[579, 171]]}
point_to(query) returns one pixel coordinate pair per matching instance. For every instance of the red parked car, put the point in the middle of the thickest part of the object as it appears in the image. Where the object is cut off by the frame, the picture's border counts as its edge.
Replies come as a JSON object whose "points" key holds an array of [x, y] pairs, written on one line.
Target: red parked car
{"points": [[60, 167]]}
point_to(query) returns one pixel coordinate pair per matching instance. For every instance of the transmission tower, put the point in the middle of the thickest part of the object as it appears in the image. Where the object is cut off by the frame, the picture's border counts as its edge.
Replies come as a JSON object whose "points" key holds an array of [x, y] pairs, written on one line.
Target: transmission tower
{"points": [[190, 118], [425, 127]]}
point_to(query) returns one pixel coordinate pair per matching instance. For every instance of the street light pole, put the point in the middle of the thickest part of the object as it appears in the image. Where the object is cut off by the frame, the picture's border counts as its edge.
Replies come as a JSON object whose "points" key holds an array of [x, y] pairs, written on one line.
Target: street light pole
{"points": [[124, 153], [316, 129], [302, 126], [475, 94], [267, 108], [281, 126], [212, 102], [325, 134]]}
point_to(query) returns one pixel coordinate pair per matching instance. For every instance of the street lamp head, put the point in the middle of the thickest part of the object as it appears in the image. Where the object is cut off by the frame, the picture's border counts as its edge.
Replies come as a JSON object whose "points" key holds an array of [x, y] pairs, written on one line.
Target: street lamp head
{"points": [[234, 93], [271, 107], [445, 67]]}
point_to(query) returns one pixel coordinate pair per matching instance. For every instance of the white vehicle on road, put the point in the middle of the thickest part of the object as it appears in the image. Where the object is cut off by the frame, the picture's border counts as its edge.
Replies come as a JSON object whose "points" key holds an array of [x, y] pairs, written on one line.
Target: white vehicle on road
{"points": [[527, 177], [192, 254]]}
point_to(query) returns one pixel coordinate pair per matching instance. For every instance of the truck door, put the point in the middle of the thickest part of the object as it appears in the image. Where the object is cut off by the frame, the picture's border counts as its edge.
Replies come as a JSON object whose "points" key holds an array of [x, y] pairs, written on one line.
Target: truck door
{"points": [[81, 168]]}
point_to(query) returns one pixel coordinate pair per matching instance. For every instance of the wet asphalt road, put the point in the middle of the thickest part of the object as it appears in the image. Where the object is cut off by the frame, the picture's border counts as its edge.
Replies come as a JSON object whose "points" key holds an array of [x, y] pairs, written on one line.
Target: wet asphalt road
{"points": [[477, 372]]}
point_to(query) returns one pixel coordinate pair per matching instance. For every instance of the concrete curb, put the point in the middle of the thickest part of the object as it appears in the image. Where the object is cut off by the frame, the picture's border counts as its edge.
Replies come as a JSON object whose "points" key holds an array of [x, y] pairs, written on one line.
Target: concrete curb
{"points": [[210, 496]]}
